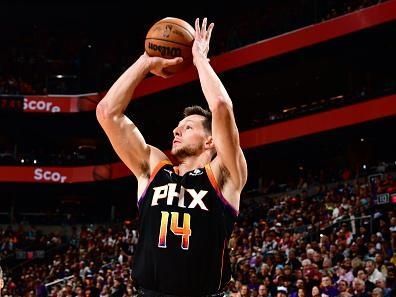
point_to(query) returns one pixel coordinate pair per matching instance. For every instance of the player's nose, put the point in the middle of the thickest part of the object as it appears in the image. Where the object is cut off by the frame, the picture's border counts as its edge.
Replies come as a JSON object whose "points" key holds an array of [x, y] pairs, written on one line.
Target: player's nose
{"points": [[177, 131]]}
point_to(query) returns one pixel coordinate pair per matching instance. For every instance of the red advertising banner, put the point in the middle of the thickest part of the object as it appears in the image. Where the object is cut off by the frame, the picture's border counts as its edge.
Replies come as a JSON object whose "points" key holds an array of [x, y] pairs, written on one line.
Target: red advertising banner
{"points": [[322, 121], [61, 175], [61, 103]]}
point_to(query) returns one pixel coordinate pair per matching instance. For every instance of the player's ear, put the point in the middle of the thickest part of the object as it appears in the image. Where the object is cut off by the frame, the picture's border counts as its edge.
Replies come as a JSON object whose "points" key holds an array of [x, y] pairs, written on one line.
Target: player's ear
{"points": [[209, 143]]}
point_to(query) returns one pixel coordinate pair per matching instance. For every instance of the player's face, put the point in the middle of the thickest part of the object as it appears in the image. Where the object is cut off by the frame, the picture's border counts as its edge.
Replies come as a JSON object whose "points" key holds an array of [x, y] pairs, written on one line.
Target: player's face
{"points": [[189, 137]]}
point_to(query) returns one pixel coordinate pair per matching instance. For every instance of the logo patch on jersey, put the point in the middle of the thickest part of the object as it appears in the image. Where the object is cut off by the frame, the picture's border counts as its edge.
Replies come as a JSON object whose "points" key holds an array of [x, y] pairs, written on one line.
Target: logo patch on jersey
{"points": [[196, 172], [169, 171], [169, 192]]}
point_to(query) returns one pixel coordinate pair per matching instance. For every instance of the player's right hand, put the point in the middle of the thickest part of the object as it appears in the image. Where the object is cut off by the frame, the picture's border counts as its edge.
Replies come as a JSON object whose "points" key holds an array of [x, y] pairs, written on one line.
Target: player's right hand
{"points": [[157, 65]]}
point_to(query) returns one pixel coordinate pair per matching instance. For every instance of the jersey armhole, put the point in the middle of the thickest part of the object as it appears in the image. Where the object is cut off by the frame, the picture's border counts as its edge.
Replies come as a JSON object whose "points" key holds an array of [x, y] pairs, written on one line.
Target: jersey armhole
{"points": [[152, 176], [215, 185]]}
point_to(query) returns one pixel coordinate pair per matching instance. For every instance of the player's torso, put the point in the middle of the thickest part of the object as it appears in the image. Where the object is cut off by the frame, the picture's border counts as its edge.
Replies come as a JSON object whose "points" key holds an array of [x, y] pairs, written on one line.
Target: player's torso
{"points": [[184, 227]]}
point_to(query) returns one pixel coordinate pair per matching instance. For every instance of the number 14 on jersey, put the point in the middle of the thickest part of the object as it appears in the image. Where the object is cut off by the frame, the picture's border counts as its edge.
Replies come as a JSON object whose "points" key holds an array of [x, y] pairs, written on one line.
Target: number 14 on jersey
{"points": [[184, 231]]}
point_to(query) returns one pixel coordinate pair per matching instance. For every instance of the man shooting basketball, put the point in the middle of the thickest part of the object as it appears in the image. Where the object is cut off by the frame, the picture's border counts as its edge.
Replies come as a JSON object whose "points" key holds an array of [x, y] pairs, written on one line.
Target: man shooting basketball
{"points": [[187, 211]]}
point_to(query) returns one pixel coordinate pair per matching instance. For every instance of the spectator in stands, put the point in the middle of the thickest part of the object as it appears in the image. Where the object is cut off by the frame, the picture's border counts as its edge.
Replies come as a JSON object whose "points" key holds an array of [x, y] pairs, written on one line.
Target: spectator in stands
{"points": [[362, 275], [344, 271], [269, 244], [281, 291], [301, 292], [327, 287], [380, 265], [342, 286], [245, 291], [118, 288], [262, 291], [327, 267], [90, 286], [315, 292], [359, 288], [292, 260], [378, 292], [79, 291], [372, 272], [381, 284]]}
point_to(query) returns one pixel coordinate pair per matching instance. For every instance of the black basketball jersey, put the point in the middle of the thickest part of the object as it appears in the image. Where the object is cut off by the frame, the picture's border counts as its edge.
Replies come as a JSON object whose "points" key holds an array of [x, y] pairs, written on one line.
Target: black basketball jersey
{"points": [[184, 227]]}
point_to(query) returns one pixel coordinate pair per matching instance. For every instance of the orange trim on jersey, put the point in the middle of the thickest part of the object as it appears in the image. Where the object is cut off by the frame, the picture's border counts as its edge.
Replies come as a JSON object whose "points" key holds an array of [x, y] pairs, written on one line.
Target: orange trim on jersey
{"points": [[153, 174], [215, 185], [158, 167]]}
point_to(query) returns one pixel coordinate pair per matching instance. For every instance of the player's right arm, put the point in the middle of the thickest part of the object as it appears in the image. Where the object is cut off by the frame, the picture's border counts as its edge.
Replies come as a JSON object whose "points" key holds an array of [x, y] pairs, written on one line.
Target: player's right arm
{"points": [[125, 137]]}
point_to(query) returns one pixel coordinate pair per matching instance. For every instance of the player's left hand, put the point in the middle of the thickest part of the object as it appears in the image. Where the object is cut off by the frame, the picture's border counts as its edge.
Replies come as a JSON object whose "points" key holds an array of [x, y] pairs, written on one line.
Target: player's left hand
{"points": [[200, 47]]}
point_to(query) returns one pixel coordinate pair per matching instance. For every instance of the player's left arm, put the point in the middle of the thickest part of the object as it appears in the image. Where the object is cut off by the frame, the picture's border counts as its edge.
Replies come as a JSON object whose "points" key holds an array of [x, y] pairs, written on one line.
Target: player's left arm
{"points": [[224, 129]]}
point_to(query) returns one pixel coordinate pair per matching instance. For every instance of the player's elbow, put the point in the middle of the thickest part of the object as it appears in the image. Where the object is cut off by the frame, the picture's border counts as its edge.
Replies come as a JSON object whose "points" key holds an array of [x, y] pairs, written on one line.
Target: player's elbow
{"points": [[101, 112], [221, 106], [104, 112]]}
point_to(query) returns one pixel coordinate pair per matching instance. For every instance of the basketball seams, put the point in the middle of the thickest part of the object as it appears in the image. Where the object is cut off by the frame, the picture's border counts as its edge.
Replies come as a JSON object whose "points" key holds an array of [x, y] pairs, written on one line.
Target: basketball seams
{"points": [[174, 21], [192, 35], [180, 26]]}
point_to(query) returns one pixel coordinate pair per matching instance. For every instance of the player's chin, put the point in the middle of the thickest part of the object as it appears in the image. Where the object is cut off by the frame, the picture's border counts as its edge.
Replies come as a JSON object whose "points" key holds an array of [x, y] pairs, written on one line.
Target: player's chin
{"points": [[174, 151], [177, 153], [176, 147]]}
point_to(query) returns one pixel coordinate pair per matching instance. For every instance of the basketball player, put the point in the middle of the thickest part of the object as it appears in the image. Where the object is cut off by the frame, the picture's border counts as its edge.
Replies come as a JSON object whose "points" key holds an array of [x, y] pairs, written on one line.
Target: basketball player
{"points": [[186, 212]]}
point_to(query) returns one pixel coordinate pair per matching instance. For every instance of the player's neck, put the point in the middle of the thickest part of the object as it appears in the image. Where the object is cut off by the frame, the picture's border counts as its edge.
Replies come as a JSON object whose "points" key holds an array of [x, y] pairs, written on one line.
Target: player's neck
{"points": [[191, 163]]}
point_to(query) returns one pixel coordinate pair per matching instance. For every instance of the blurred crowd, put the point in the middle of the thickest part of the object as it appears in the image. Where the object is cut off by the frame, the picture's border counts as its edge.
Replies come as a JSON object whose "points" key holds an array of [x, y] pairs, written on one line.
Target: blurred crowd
{"points": [[96, 262], [319, 239], [25, 239], [324, 241]]}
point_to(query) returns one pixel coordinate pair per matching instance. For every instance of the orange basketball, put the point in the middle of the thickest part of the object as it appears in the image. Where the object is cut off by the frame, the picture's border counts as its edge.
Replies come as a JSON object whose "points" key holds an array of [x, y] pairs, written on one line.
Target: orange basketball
{"points": [[170, 38]]}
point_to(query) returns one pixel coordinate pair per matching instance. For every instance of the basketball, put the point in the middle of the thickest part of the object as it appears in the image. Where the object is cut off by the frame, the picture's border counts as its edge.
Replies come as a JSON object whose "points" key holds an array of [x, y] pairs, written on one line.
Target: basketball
{"points": [[170, 38]]}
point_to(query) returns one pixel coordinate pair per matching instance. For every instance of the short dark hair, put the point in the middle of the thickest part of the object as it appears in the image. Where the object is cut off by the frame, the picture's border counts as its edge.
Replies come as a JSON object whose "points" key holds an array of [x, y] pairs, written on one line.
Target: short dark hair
{"points": [[196, 109]]}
